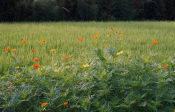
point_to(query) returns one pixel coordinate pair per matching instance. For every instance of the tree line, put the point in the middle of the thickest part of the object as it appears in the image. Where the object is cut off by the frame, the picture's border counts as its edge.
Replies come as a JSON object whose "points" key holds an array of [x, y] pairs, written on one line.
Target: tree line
{"points": [[86, 10]]}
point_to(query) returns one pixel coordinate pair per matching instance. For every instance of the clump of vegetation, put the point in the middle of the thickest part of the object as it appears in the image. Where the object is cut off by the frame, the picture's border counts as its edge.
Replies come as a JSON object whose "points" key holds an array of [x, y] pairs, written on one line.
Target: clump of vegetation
{"points": [[110, 82]]}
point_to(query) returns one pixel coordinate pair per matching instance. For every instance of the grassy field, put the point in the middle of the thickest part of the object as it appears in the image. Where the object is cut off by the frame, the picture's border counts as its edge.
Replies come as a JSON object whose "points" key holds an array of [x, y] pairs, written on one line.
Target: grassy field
{"points": [[64, 38], [34, 56]]}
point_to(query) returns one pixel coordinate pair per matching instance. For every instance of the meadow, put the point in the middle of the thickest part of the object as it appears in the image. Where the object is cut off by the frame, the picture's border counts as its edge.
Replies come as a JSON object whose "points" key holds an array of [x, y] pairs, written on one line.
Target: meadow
{"points": [[87, 67]]}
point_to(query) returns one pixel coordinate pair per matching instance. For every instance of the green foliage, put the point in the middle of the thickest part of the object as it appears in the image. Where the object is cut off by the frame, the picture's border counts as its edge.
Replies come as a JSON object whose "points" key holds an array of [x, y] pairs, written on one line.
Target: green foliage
{"points": [[124, 75], [105, 86]]}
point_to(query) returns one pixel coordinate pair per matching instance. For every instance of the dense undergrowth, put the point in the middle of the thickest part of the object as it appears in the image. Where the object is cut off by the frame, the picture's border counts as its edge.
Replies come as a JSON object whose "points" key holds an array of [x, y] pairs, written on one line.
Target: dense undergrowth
{"points": [[108, 83]]}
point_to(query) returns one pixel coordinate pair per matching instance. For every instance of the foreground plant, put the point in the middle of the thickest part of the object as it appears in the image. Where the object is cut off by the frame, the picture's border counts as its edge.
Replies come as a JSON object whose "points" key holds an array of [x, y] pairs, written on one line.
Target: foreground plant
{"points": [[105, 84]]}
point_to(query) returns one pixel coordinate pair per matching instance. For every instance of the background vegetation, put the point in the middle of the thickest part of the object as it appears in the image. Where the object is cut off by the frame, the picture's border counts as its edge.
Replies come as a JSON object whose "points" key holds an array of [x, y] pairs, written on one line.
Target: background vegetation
{"points": [[85, 10]]}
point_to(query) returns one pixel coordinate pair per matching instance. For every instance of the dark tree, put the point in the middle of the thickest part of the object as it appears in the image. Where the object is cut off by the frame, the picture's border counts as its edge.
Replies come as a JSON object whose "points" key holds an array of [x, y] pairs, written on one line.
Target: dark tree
{"points": [[122, 10], [87, 10], [151, 11], [102, 10]]}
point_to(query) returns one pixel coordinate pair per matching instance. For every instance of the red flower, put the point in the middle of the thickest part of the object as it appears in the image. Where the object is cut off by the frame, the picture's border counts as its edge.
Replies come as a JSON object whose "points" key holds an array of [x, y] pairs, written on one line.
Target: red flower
{"points": [[66, 103], [36, 66], [80, 39], [6, 49], [43, 105], [166, 66], [155, 42], [33, 50], [24, 41], [36, 60], [43, 41], [66, 58], [13, 50], [96, 36]]}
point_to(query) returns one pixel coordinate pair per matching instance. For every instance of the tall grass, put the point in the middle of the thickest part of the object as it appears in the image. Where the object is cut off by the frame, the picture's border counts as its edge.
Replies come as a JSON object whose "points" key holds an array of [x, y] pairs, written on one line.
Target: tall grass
{"points": [[105, 74], [63, 36]]}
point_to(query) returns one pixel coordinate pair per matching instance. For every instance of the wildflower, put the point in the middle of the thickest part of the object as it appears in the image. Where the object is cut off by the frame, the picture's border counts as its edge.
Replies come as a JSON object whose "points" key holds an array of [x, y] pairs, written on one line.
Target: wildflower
{"points": [[166, 66], [13, 50], [36, 66], [120, 53], [36, 60], [80, 39], [43, 41], [67, 67], [66, 103], [96, 36], [155, 42], [17, 67], [57, 70], [66, 58], [53, 50], [86, 65], [33, 50], [6, 49], [108, 35], [43, 105], [24, 41], [120, 35]]}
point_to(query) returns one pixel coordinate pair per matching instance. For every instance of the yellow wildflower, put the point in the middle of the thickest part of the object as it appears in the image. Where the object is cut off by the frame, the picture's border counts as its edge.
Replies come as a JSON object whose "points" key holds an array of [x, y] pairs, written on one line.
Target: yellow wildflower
{"points": [[120, 53], [85, 65], [53, 50], [17, 67], [57, 70]]}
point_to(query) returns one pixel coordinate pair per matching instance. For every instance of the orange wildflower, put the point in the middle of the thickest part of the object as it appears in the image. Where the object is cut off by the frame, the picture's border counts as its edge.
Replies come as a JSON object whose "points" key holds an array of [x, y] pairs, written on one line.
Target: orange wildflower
{"points": [[155, 42], [166, 66], [66, 58], [6, 49], [24, 41], [33, 50], [13, 50], [66, 103], [80, 39], [36, 66], [36, 60], [96, 36], [43, 41], [43, 105]]}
